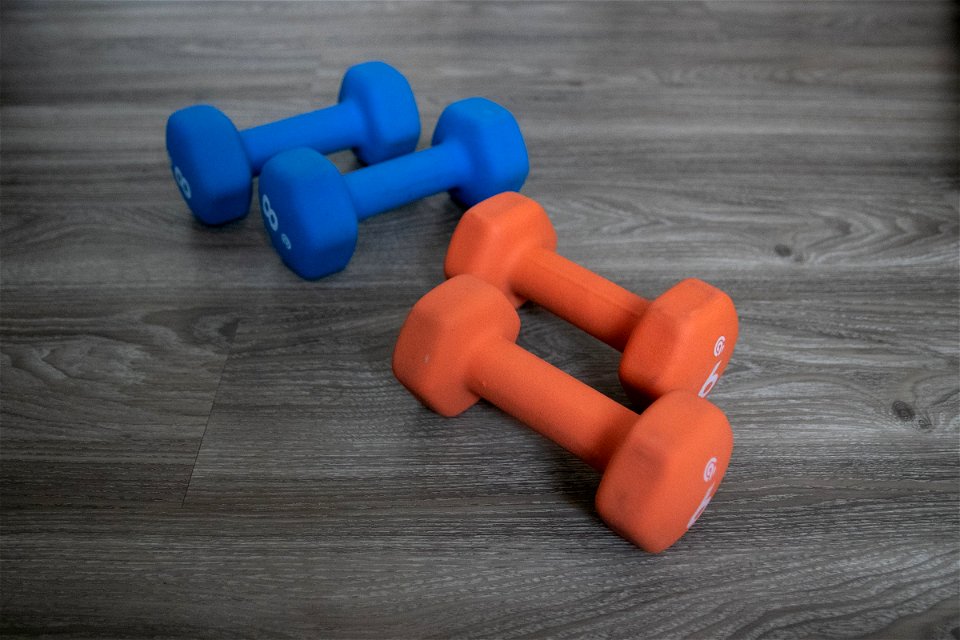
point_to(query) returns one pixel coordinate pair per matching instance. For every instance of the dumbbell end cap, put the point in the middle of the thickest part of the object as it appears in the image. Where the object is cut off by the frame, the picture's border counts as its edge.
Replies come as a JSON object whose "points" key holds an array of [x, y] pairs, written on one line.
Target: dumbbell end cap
{"points": [[666, 472], [307, 212], [443, 333], [492, 138], [684, 341], [209, 164], [492, 235], [389, 110]]}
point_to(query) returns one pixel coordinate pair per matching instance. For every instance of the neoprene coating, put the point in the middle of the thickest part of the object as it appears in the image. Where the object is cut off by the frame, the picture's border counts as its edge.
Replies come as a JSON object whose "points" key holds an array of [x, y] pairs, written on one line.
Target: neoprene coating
{"points": [[311, 212], [660, 468], [681, 340], [214, 164]]}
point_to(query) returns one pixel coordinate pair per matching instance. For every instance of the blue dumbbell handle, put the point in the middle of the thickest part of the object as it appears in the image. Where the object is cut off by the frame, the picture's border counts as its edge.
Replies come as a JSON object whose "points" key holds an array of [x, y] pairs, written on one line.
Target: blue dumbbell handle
{"points": [[396, 182], [326, 130]]}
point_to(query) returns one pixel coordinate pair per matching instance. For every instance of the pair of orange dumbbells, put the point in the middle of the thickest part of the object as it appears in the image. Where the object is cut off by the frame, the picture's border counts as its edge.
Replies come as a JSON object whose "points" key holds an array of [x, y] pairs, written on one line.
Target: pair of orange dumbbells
{"points": [[660, 467]]}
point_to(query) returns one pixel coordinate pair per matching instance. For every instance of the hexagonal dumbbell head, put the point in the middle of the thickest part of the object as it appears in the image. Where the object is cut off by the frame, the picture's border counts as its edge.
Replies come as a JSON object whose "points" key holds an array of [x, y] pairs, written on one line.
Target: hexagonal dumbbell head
{"points": [[492, 140], [308, 212], [666, 470], [683, 341], [437, 341], [209, 164], [388, 108], [493, 235]]}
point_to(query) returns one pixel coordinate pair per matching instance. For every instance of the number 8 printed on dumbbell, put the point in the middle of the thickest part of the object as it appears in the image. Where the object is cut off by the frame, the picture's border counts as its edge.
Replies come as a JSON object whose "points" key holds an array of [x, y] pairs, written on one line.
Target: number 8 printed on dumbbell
{"points": [[182, 183], [272, 220]]}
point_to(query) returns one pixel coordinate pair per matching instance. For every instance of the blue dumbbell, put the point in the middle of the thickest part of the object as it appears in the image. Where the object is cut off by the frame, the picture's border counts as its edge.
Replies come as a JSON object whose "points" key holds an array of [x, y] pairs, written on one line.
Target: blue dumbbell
{"points": [[214, 163], [311, 211]]}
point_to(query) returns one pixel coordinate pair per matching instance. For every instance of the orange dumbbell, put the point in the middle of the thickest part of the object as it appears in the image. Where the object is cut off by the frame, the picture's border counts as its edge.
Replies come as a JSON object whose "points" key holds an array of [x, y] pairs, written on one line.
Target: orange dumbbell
{"points": [[681, 340], [661, 467]]}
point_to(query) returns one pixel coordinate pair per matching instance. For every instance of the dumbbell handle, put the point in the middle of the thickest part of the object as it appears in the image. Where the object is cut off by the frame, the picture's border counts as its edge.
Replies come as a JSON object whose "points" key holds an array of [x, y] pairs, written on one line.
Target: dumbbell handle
{"points": [[589, 301], [340, 126], [388, 185], [577, 417]]}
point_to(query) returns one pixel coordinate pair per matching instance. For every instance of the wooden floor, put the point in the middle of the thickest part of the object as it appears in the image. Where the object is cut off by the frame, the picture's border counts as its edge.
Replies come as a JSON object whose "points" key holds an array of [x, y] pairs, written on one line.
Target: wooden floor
{"points": [[198, 444]]}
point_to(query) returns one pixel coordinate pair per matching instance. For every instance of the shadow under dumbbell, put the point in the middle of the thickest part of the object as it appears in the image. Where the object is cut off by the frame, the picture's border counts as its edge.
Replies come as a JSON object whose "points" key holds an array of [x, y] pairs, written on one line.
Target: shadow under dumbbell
{"points": [[413, 238], [590, 361], [564, 346]]}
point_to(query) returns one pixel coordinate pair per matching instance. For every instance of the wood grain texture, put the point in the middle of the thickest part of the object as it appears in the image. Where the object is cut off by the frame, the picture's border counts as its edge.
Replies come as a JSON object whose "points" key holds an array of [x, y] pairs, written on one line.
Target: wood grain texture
{"points": [[197, 444]]}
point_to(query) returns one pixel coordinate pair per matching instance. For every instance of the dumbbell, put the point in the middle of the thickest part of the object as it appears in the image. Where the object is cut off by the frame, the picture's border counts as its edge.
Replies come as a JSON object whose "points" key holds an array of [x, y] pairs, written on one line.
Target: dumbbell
{"points": [[214, 163], [681, 340], [311, 211], [660, 468]]}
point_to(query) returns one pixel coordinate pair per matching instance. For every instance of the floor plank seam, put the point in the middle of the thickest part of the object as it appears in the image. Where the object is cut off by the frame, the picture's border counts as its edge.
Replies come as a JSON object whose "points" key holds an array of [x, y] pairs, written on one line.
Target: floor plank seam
{"points": [[213, 404]]}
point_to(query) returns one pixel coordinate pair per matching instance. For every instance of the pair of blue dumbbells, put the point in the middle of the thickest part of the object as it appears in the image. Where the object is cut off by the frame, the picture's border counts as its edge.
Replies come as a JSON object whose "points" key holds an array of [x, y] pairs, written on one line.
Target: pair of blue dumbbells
{"points": [[309, 209]]}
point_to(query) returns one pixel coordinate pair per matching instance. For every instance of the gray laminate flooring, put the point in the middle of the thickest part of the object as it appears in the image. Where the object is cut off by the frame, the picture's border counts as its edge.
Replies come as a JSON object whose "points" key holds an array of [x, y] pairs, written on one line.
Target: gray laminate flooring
{"points": [[198, 444]]}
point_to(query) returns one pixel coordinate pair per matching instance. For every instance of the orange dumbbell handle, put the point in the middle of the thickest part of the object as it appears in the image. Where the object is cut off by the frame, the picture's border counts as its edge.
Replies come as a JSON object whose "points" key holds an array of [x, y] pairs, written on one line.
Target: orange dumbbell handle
{"points": [[586, 300], [577, 417]]}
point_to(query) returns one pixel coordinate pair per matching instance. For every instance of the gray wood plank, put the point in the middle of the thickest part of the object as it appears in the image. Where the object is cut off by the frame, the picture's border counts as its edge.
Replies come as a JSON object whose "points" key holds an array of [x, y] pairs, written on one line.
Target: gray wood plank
{"points": [[196, 443], [402, 572], [105, 398]]}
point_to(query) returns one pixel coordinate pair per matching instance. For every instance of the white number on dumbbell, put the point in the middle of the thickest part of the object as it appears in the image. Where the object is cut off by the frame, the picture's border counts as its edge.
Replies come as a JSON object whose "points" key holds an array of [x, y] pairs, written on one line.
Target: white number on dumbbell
{"points": [[710, 469], [182, 181], [273, 220], [269, 213], [711, 380], [718, 347], [702, 507]]}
